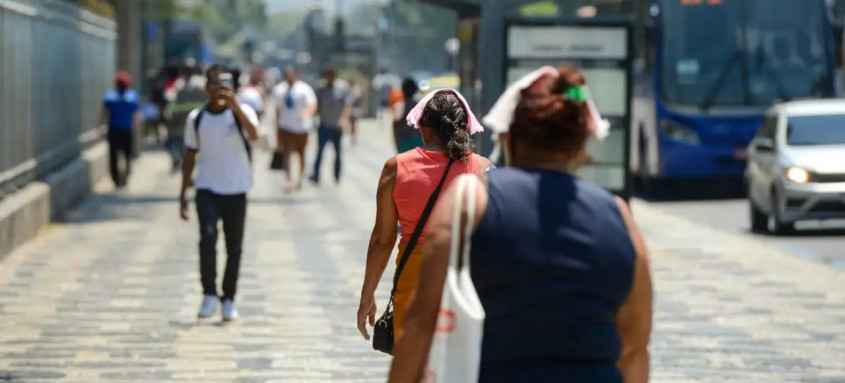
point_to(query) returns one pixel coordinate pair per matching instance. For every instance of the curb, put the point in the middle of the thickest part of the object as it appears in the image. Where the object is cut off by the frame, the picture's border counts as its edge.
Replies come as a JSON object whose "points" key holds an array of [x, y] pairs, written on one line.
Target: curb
{"points": [[25, 213]]}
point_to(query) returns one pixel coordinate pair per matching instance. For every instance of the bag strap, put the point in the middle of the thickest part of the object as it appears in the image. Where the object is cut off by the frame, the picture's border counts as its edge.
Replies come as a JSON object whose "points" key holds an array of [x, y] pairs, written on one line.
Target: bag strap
{"points": [[247, 146], [418, 230], [197, 125], [460, 244]]}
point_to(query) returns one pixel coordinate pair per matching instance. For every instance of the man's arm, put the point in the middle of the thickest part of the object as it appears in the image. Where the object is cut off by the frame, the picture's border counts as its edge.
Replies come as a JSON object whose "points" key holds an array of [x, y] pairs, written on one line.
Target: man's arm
{"points": [[311, 103], [188, 162], [345, 116], [246, 122], [187, 172]]}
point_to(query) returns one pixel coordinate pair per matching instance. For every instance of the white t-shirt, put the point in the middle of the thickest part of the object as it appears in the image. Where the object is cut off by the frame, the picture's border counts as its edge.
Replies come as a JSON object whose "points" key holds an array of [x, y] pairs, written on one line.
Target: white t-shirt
{"points": [[223, 165], [251, 96], [302, 96]]}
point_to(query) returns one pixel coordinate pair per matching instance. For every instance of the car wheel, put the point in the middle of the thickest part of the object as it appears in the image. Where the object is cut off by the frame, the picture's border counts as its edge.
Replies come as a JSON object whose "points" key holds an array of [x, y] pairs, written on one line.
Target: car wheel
{"points": [[775, 223]]}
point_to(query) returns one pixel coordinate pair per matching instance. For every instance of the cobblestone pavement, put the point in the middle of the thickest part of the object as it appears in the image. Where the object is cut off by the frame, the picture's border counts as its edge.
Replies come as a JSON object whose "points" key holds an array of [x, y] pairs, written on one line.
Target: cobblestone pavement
{"points": [[112, 294]]}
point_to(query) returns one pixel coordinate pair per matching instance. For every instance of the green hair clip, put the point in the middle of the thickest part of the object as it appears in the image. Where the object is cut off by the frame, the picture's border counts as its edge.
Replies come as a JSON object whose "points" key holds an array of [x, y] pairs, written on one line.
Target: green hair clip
{"points": [[578, 93]]}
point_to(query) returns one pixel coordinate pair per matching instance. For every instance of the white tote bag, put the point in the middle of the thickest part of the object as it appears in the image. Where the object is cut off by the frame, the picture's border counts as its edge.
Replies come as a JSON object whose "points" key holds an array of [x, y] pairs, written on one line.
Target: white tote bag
{"points": [[455, 352]]}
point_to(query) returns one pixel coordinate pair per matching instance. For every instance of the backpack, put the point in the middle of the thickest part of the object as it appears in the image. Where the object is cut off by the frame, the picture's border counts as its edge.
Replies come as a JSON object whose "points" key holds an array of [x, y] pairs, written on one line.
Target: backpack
{"points": [[237, 122]]}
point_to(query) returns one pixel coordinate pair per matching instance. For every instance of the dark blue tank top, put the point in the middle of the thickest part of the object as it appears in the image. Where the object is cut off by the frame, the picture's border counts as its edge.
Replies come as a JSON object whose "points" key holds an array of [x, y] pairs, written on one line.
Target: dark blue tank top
{"points": [[552, 261]]}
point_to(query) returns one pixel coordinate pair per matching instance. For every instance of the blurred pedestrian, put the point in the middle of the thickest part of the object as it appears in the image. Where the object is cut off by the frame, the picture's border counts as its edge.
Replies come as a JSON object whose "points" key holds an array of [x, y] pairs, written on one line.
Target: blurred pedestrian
{"points": [[405, 136], [383, 83], [121, 113], [296, 105], [272, 76], [221, 131], [334, 110], [558, 263], [396, 97], [356, 100], [190, 95], [164, 94], [407, 184], [252, 94]]}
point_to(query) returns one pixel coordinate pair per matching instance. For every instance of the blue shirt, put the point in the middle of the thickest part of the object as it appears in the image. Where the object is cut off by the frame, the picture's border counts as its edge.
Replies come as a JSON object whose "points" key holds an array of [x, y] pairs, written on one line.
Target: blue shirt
{"points": [[552, 262], [121, 108]]}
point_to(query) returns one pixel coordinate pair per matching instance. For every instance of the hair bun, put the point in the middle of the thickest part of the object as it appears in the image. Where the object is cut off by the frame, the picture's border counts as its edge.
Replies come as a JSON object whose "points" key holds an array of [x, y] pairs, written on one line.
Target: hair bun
{"points": [[548, 117]]}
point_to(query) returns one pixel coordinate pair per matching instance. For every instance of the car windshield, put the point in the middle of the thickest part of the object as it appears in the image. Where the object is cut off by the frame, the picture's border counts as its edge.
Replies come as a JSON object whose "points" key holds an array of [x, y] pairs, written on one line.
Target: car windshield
{"points": [[816, 130], [751, 53]]}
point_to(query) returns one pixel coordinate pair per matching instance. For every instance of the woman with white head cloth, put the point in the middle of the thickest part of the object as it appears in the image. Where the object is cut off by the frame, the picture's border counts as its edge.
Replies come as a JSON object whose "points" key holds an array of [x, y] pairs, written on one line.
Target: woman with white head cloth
{"points": [[557, 262], [408, 181]]}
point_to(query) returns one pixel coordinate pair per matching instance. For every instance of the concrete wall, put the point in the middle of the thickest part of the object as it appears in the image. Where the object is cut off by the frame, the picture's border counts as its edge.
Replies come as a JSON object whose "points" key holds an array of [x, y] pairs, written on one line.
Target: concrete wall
{"points": [[56, 62], [24, 213]]}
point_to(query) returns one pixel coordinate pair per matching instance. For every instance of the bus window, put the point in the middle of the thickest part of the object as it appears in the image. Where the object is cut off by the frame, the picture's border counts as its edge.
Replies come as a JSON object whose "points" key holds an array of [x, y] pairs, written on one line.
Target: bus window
{"points": [[737, 53]]}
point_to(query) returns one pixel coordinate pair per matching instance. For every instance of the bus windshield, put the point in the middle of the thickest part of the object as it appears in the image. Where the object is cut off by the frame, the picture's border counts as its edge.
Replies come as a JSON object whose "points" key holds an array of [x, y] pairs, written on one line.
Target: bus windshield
{"points": [[743, 53]]}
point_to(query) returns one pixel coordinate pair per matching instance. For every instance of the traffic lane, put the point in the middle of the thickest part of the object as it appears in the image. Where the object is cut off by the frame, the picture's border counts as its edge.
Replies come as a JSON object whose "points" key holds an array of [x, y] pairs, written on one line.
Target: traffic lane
{"points": [[821, 241]]}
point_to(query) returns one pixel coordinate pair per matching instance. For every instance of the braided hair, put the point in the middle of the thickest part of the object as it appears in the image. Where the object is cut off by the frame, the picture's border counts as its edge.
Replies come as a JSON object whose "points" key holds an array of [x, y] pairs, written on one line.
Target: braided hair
{"points": [[446, 115]]}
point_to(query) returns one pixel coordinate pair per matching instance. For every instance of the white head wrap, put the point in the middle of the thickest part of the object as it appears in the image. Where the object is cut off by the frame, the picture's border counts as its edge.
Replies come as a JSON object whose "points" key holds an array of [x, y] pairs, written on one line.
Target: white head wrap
{"points": [[413, 119], [501, 115]]}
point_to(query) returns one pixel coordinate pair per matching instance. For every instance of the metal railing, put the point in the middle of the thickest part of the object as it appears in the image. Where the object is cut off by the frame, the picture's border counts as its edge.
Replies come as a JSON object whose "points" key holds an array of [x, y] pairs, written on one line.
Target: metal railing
{"points": [[56, 62]]}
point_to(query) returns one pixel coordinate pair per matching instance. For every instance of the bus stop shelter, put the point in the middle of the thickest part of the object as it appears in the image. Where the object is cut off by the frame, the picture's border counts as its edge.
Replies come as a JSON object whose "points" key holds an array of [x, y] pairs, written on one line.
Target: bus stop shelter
{"points": [[488, 63]]}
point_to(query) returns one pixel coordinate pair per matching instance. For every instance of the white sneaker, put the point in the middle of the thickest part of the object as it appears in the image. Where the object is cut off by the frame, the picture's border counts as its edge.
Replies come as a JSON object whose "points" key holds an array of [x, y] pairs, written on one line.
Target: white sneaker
{"points": [[230, 313], [209, 307]]}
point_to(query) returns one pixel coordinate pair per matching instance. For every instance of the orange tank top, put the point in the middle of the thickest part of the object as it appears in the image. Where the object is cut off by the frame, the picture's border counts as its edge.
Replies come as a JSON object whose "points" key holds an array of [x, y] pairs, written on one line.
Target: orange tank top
{"points": [[418, 172]]}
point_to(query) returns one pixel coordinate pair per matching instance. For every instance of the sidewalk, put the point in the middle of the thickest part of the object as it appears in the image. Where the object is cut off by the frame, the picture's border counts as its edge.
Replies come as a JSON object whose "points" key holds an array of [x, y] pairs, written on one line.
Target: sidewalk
{"points": [[734, 309], [112, 295]]}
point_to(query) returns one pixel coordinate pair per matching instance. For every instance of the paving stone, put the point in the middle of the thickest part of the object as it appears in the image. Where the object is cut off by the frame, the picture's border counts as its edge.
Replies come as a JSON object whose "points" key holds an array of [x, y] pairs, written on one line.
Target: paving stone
{"points": [[111, 295]]}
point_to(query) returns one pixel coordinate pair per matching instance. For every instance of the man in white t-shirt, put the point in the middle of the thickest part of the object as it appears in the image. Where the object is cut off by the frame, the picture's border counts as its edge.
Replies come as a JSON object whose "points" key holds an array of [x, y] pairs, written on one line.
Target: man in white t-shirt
{"points": [[221, 131], [296, 104]]}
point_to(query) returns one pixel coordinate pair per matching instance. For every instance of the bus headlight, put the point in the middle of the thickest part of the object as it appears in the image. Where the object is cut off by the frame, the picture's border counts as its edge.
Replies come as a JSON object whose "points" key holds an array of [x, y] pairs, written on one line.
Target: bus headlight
{"points": [[797, 175], [679, 132]]}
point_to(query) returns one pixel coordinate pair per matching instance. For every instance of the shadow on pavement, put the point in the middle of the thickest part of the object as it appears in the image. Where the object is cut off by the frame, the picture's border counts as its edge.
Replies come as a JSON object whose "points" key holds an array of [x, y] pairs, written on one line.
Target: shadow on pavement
{"points": [[831, 232], [690, 190], [800, 232], [118, 206]]}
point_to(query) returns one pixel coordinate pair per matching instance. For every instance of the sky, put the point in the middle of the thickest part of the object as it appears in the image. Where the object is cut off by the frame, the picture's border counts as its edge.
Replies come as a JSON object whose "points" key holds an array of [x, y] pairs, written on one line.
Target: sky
{"points": [[274, 6]]}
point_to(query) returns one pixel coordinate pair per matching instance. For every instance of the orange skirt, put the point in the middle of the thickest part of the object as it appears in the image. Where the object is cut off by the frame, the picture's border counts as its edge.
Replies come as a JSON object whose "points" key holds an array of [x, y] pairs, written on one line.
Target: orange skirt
{"points": [[406, 286]]}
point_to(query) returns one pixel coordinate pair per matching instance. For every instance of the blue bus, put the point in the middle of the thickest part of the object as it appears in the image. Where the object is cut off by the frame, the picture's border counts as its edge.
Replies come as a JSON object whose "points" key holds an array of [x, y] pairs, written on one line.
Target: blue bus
{"points": [[706, 71]]}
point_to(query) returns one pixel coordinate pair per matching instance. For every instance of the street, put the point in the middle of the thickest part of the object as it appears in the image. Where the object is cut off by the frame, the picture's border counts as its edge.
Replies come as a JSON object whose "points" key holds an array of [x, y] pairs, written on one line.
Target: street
{"points": [[111, 294], [820, 241]]}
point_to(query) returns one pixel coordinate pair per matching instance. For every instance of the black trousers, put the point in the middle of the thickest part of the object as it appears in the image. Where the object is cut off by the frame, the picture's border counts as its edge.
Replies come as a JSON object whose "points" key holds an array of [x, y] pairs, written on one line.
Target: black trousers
{"points": [[120, 143], [326, 134], [231, 209]]}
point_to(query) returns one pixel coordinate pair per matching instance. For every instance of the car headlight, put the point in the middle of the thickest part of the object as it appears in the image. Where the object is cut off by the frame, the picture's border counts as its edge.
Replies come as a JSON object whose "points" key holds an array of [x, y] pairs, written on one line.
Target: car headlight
{"points": [[679, 132], [797, 175]]}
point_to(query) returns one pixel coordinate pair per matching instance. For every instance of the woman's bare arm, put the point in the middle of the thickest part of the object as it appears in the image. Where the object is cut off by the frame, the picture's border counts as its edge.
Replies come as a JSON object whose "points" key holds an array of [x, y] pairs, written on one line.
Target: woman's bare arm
{"points": [[414, 343], [382, 241], [634, 319]]}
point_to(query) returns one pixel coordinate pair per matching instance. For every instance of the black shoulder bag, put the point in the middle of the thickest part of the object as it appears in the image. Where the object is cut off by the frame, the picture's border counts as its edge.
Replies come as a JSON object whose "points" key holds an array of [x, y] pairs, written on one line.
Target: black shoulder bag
{"points": [[383, 330]]}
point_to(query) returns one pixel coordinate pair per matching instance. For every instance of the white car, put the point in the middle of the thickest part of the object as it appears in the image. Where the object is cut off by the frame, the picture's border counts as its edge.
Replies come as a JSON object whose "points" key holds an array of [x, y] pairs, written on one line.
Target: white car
{"points": [[796, 165]]}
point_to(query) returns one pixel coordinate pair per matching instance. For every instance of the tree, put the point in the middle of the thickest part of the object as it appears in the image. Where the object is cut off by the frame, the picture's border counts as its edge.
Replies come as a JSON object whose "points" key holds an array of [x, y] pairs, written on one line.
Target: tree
{"points": [[417, 33], [225, 18]]}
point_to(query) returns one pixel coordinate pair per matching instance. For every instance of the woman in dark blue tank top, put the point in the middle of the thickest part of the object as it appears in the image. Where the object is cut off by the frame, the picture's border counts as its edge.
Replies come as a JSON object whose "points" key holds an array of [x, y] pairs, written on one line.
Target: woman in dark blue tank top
{"points": [[559, 265]]}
